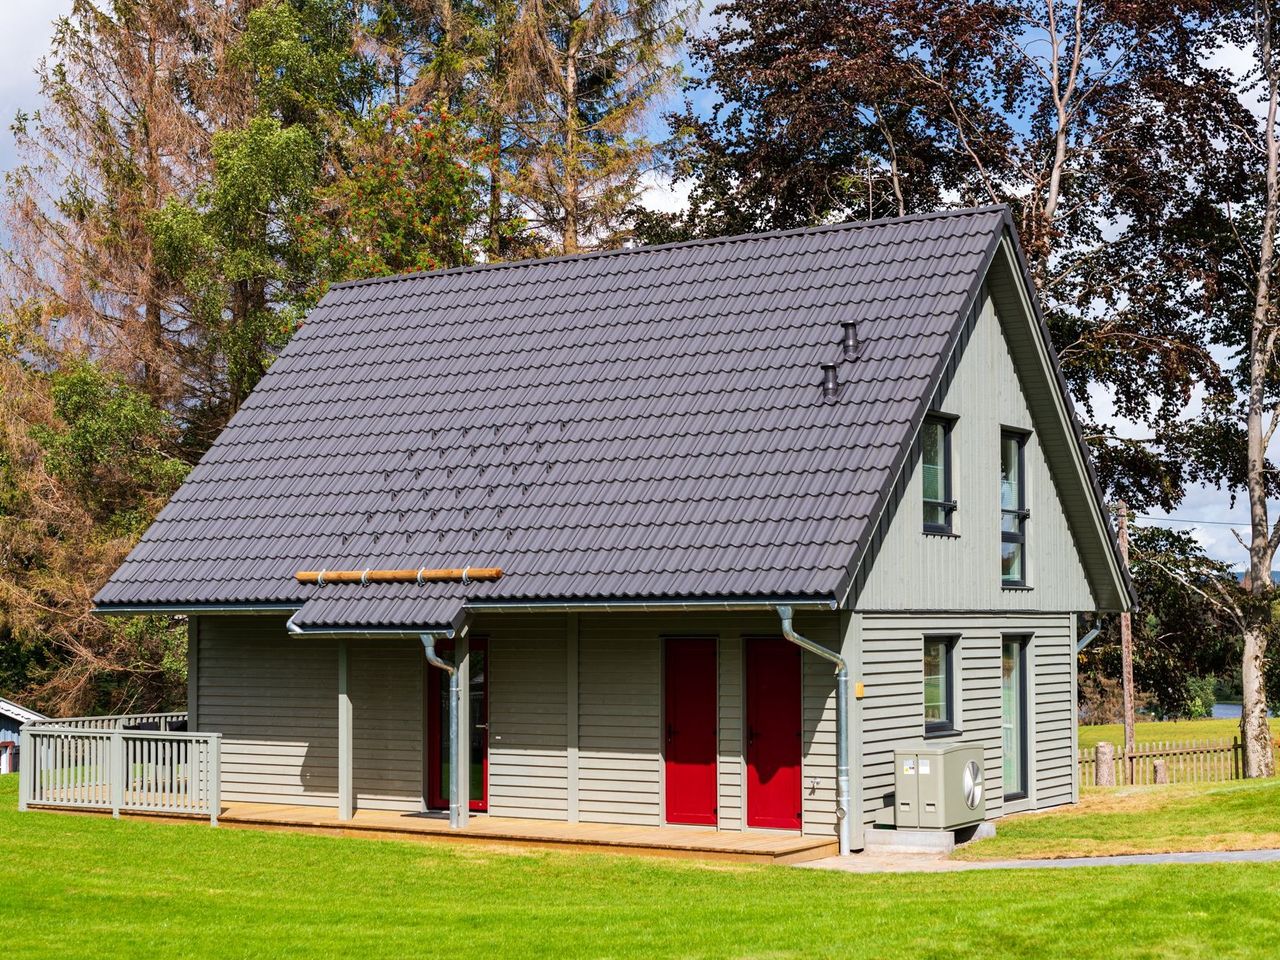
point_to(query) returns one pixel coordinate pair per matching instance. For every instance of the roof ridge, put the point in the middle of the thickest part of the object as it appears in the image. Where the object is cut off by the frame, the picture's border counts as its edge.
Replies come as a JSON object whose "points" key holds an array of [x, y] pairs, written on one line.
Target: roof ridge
{"points": [[678, 244]]}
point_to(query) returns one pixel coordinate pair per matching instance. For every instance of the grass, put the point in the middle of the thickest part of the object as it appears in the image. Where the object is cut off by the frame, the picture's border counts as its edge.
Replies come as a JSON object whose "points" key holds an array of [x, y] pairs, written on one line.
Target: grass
{"points": [[77, 886], [1236, 815], [1170, 730]]}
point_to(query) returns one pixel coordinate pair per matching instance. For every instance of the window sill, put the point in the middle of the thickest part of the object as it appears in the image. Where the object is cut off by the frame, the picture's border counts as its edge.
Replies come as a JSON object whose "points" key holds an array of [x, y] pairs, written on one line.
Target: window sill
{"points": [[945, 534], [940, 734], [1015, 797], [1015, 586]]}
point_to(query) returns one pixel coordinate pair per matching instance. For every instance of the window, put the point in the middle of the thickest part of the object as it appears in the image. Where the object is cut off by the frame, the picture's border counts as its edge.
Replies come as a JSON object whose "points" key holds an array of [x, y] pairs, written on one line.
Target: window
{"points": [[935, 459], [1013, 509], [1013, 687], [939, 686]]}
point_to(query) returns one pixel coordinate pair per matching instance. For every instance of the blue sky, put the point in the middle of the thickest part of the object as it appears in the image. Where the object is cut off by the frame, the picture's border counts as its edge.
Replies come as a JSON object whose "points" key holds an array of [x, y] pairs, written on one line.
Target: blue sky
{"points": [[25, 27]]}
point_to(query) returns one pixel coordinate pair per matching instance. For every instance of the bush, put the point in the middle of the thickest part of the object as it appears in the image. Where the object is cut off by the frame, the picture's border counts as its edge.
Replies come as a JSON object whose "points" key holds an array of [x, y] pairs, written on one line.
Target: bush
{"points": [[1200, 697]]}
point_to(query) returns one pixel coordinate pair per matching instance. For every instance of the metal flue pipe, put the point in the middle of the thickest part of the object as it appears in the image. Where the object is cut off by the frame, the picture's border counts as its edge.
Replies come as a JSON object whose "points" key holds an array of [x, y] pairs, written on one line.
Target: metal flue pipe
{"points": [[455, 742], [844, 815]]}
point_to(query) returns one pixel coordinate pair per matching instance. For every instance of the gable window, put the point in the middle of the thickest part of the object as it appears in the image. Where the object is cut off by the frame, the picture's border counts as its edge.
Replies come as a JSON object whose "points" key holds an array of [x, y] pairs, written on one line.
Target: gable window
{"points": [[935, 464], [939, 685], [1013, 509]]}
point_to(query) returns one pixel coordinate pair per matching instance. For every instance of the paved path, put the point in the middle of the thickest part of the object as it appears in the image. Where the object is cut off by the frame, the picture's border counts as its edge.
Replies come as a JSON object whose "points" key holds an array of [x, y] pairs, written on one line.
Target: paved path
{"points": [[933, 863]]}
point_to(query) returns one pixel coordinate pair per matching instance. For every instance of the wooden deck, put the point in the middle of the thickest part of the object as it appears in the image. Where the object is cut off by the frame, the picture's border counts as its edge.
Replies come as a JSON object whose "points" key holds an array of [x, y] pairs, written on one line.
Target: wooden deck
{"points": [[749, 846]]}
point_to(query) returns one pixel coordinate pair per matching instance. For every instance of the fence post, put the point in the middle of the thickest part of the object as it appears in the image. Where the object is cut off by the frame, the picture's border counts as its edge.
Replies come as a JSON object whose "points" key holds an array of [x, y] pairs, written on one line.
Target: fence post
{"points": [[116, 771], [26, 768], [214, 773], [1160, 770], [1104, 767]]}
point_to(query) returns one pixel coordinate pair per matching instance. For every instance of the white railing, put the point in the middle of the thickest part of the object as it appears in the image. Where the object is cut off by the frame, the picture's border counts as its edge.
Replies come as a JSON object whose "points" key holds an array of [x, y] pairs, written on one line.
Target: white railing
{"points": [[156, 722], [120, 769]]}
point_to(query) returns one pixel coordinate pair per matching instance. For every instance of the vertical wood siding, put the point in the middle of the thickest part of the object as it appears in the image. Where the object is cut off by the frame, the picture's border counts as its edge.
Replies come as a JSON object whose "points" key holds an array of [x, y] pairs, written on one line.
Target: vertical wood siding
{"points": [[731, 770], [909, 570], [619, 712], [893, 708], [274, 699], [528, 746], [386, 698]]}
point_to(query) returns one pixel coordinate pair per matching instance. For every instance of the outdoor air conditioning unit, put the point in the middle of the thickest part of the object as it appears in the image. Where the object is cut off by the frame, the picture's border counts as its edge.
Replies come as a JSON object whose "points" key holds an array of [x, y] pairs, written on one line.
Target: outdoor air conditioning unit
{"points": [[938, 787]]}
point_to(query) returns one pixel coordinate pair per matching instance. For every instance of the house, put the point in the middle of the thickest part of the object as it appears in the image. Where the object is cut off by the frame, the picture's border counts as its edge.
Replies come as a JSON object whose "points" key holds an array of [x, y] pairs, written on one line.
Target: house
{"points": [[685, 535], [12, 717]]}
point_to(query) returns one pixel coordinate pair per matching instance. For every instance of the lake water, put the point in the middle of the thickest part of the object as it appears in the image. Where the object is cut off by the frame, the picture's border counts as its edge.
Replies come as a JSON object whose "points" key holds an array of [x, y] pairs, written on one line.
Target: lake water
{"points": [[1226, 711]]}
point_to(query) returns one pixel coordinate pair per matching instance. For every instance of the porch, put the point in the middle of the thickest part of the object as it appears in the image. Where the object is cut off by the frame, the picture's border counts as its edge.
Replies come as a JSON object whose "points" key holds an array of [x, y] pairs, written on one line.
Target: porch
{"points": [[749, 846]]}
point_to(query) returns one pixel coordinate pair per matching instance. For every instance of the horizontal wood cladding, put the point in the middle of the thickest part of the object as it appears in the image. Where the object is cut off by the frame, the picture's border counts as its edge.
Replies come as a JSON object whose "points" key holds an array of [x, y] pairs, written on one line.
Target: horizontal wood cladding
{"points": [[528, 752], [893, 706], [274, 699], [386, 699], [619, 716]]}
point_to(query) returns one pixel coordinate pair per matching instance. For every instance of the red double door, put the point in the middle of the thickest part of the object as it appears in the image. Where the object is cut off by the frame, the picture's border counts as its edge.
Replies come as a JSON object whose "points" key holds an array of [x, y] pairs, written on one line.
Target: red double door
{"points": [[773, 735]]}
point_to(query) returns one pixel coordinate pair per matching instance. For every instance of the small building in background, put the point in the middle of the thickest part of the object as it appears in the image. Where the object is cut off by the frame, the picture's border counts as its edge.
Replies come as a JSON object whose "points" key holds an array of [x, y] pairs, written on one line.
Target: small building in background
{"points": [[12, 717]]}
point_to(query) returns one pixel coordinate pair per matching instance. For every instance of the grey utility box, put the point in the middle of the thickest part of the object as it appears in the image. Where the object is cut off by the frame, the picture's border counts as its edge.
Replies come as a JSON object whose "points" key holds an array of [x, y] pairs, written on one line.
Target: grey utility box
{"points": [[938, 787]]}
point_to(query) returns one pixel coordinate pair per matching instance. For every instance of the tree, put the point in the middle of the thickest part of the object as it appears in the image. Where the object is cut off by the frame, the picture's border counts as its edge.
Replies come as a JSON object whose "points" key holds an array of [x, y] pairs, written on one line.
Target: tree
{"points": [[1183, 628], [82, 471], [414, 198], [1060, 108], [116, 138], [588, 73]]}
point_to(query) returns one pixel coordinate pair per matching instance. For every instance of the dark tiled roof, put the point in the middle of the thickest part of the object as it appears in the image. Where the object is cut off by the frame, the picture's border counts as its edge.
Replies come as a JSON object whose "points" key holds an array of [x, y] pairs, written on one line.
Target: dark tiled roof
{"points": [[639, 424]]}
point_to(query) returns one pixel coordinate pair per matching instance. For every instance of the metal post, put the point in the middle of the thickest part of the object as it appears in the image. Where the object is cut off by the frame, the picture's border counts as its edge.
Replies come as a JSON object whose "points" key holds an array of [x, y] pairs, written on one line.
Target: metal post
{"points": [[346, 798]]}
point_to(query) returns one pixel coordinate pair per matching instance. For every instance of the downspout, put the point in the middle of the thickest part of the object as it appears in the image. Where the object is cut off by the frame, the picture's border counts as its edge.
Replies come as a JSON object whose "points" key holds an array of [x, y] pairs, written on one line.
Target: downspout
{"points": [[844, 818], [455, 744], [1087, 639]]}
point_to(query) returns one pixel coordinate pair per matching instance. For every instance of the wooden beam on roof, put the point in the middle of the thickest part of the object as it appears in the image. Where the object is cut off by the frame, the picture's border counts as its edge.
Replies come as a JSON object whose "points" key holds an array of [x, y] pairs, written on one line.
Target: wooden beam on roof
{"points": [[464, 575]]}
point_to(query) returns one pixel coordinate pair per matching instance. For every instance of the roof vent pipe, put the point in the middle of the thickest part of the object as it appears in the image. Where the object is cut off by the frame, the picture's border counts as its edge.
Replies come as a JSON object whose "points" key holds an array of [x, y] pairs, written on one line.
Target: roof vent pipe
{"points": [[850, 341], [830, 382]]}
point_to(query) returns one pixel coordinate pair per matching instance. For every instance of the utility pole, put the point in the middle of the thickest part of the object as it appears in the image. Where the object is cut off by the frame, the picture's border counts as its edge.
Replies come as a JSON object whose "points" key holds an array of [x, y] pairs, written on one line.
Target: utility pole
{"points": [[1126, 645]]}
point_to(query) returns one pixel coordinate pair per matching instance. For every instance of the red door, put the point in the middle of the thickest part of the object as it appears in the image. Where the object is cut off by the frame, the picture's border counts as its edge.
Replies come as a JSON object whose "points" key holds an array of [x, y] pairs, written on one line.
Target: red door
{"points": [[437, 729], [773, 733], [690, 750]]}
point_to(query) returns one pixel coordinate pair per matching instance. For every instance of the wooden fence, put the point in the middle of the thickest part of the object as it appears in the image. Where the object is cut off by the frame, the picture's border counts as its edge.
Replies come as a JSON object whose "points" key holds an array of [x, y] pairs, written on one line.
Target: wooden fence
{"points": [[160, 722], [1194, 761], [120, 769]]}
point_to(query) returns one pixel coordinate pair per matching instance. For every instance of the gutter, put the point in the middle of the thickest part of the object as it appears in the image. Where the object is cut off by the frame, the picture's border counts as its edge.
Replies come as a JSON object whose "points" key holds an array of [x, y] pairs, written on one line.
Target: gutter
{"points": [[192, 610], [844, 815]]}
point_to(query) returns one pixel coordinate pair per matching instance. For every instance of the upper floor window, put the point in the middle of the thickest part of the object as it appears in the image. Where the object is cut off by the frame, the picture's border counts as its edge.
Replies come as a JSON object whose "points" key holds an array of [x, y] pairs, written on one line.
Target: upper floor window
{"points": [[935, 460], [1013, 509]]}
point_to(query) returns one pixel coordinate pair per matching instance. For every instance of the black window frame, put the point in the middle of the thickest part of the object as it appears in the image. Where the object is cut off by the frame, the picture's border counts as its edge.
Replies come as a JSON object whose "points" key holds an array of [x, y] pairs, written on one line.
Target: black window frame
{"points": [[947, 725], [948, 503], [1021, 513], [1023, 643]]}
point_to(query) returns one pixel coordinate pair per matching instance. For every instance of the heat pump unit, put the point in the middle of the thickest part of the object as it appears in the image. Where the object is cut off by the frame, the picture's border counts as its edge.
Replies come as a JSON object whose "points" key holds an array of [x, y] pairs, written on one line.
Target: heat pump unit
{"points": [[938, 787]]}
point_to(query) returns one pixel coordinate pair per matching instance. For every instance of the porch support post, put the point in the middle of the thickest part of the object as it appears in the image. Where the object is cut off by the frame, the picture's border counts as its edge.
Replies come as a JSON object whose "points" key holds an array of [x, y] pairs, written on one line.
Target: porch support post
{"points": [[571, 715], [346, 794]]}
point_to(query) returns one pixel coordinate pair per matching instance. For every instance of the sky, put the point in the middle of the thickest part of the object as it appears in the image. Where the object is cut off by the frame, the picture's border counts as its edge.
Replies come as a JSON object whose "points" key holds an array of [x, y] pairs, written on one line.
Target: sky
{"points": [[25, 28]]}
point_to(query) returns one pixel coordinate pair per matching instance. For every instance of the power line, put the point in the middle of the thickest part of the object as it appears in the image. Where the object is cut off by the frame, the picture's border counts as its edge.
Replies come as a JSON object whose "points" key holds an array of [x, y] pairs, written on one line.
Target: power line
{"points": [[1216, 523]]}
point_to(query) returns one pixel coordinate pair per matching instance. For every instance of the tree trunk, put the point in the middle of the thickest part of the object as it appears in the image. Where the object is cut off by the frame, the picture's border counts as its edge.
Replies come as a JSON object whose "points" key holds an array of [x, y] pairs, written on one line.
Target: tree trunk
{"points": [[1255, 732], [570, 235]]}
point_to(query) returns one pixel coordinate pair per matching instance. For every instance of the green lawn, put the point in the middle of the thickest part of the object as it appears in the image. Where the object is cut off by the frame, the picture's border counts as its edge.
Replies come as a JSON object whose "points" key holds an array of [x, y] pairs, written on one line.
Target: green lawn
{"points": [[90, 887], [1171, 730], [1236, 815]]}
